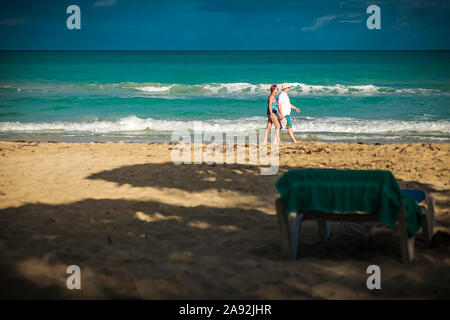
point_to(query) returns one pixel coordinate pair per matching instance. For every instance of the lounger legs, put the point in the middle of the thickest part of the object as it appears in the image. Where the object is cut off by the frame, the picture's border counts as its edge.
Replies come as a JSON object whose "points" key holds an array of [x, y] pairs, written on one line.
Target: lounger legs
{"points": [[285, 234], [428, 221], [295, 235], [289, 244], [406, 242], [324, 227]]}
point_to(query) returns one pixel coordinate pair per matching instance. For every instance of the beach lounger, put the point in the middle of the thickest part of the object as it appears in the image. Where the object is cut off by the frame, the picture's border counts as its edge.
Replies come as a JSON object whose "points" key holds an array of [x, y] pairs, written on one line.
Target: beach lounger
{"points": [[329, 195]]}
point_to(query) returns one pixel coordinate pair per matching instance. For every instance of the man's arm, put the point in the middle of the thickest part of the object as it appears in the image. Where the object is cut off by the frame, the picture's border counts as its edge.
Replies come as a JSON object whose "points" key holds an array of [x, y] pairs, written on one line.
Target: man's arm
{"points": [[295, 108]]}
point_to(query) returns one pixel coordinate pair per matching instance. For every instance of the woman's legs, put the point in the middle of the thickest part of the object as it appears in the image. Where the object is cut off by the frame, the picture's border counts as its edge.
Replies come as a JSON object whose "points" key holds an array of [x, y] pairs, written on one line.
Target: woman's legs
{"points": [[277, 130], [270, 121], [269, 126]]}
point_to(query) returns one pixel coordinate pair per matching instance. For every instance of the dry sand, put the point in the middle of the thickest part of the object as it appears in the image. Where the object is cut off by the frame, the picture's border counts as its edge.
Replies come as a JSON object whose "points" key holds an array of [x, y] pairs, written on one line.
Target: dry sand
{"points": [[141, 227]]}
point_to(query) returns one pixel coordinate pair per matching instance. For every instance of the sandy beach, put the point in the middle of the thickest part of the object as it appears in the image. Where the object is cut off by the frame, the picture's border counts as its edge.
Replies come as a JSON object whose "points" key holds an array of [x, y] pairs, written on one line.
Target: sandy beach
{"points": [[140, 226]]}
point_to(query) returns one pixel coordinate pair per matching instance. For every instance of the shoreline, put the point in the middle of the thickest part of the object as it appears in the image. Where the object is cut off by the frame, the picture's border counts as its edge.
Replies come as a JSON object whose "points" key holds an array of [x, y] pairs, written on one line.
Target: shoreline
{"points": [[285, 139]]}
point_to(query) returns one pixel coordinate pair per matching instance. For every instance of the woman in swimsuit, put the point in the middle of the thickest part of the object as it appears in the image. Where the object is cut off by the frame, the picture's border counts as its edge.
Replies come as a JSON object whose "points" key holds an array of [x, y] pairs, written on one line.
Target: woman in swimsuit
{"points": [[272, 109]]}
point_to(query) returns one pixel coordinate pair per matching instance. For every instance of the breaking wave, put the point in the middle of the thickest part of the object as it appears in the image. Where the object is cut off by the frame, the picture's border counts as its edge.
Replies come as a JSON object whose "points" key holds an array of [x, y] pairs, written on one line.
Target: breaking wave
{"points": [[222, 89], [301, 125]]}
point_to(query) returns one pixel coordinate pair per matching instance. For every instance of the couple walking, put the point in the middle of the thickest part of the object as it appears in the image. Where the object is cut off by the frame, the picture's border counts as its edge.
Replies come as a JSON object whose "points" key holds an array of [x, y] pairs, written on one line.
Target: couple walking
{"points": [[278, 112]]}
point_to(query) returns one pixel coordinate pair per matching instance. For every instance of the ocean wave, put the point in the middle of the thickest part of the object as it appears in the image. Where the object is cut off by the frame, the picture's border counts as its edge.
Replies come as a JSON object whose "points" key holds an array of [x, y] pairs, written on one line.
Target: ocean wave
{"points": [[297, 89], [140, 126], [226, 89]]}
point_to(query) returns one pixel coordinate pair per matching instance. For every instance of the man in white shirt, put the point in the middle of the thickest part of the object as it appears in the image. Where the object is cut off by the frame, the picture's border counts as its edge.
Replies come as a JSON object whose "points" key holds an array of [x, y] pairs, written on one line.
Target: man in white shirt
{"points": [[285, 110]]}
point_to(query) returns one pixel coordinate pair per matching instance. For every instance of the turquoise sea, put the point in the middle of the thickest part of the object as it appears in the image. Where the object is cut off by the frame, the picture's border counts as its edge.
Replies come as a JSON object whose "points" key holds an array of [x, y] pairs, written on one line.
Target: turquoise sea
{"points": [[368, 96]]}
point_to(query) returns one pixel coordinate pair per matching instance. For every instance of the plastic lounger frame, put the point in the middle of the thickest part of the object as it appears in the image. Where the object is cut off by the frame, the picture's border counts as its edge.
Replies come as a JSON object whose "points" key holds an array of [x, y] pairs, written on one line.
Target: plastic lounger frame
{"points": [[290, 239]]}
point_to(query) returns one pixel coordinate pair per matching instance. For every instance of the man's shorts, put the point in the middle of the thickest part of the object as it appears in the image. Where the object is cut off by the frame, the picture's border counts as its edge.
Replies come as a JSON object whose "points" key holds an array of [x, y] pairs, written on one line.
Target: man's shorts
{"points": [[289, 124]]}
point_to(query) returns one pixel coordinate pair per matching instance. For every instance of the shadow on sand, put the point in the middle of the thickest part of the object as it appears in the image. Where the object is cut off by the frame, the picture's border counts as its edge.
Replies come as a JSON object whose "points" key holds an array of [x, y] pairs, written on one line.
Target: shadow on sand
{"points": [[149, 249]]}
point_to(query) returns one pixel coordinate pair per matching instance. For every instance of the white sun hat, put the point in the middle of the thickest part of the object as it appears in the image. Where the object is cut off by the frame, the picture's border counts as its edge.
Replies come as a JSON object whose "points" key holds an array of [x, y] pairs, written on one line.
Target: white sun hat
{"points": [[285, 85]]}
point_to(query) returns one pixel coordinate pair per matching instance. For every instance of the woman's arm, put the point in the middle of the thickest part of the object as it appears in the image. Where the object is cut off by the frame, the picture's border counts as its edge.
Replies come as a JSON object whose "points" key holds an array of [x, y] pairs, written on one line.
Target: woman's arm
{"points": [[280, 113], [280, 104]]}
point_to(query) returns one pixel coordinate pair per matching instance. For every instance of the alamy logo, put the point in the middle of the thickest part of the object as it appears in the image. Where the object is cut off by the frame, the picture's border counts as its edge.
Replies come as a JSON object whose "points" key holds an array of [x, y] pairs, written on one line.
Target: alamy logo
{"points": [[374, 281], [374, 21], [74, 20], [74, 280], [211, 149]]}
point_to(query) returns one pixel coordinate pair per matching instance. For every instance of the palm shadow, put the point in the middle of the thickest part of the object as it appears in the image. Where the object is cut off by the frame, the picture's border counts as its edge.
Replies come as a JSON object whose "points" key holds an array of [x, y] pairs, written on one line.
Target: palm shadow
{"points": [[193, 177], [147, 249], [128, 240]]}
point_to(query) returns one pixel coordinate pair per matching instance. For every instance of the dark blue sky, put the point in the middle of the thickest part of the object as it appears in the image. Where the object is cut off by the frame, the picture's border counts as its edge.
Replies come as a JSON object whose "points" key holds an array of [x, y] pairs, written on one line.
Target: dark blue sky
{"points": [[225, 24]]}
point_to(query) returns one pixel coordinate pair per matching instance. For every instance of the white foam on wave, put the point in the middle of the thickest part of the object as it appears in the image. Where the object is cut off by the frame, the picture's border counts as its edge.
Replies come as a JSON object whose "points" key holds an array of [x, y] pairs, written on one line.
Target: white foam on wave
{"points": [[297, 89], [155, 89], [236, 88], [332, 125], [359, 126]]}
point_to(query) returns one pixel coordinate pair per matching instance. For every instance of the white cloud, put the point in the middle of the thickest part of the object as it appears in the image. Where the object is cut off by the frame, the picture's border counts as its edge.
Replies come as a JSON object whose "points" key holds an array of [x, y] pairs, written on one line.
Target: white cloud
{"points": [[353, 14], [105, 3], [320, 22], [13, 22], [350, 21], [420, 4]]}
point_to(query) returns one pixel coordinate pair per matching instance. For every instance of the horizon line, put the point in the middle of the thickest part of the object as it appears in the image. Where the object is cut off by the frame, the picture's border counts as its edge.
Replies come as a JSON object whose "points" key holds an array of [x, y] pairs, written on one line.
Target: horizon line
{"points": [[210, 50]]}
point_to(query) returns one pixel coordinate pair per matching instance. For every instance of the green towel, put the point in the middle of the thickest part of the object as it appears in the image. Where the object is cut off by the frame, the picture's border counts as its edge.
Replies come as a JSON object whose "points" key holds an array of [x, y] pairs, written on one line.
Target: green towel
{"points": [[332, 190]]}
